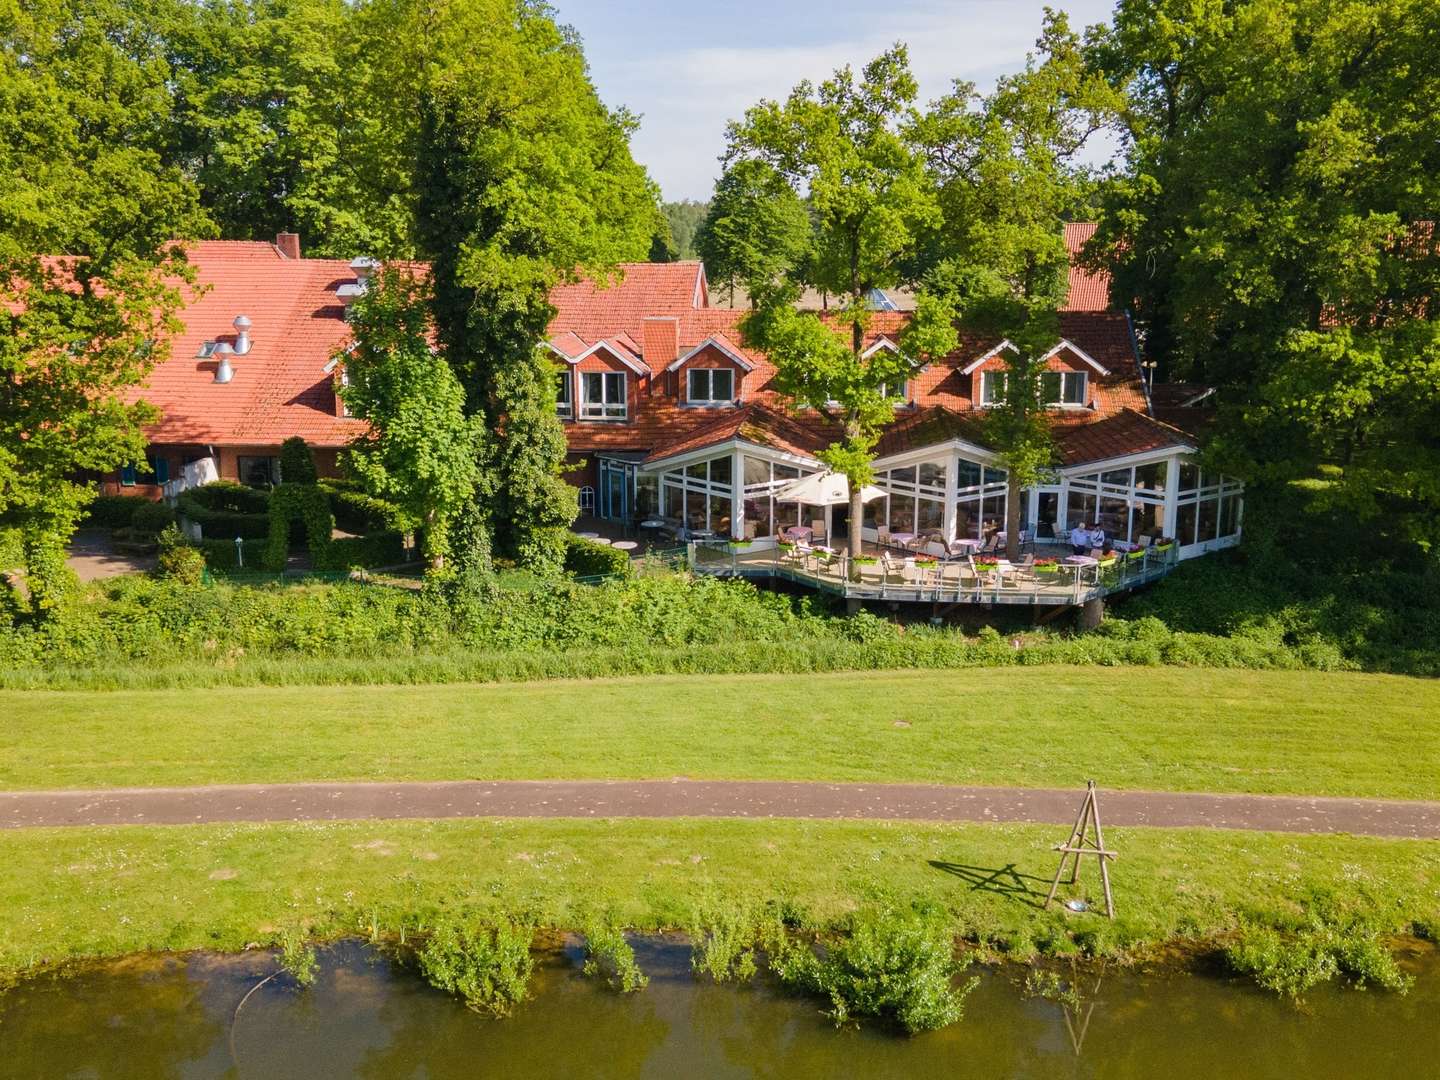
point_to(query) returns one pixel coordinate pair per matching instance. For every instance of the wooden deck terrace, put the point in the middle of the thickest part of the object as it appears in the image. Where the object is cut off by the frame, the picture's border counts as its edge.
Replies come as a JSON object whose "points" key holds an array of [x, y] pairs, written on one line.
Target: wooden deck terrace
{"points": [[947, 581]]}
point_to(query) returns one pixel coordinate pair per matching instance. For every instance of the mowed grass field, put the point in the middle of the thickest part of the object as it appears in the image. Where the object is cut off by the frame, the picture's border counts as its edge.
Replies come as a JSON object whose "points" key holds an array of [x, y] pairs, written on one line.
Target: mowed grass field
{"points": [[106, 892], [1174, 729]]}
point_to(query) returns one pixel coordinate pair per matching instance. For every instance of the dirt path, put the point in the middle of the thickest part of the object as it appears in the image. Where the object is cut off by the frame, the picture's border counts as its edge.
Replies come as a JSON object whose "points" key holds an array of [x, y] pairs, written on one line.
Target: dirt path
{"points": [[706, 798]]}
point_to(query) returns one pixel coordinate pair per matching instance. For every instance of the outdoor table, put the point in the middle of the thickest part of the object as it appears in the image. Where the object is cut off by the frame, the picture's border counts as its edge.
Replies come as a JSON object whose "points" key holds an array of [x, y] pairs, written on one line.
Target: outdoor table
{"points": [[652, 523], [904, 539], [588, 536], [967, 545], [798, 533], [596, 538], [701, 534], [625, 545], [1080, 562]]}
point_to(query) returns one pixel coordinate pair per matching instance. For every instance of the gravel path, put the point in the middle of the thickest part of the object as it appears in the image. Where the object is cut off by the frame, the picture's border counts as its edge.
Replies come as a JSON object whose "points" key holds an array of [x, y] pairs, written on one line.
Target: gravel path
{"points": [[706, 798]]}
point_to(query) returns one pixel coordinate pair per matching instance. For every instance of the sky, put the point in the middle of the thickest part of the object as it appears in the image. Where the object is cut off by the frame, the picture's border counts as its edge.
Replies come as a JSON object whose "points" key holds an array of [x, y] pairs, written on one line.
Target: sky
{"points": [[687, 68]]}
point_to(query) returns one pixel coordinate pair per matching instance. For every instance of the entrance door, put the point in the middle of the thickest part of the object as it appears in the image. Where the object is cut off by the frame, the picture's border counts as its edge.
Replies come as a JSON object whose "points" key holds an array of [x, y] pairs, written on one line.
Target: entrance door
{"points": [[617, 491]]}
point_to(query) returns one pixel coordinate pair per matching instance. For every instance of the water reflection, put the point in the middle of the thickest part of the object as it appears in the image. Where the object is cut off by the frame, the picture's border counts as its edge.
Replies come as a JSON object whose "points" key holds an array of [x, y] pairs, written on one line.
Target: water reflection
{"points": [[366, 1017]]}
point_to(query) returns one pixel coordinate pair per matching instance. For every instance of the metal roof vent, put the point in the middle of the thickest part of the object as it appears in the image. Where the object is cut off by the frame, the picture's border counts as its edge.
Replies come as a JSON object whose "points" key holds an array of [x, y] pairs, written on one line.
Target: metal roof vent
{"points": [[242, 334], [350, 290], [364, 267], [223, 370]]}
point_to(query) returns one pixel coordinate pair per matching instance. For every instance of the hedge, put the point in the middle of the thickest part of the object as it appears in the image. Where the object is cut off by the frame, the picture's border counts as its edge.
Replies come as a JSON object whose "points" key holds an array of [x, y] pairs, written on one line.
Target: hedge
{"points": [[358, 513], [585, 558], [304, 503], [113, 511], [376, 549], [153, 517], [224, 510]]}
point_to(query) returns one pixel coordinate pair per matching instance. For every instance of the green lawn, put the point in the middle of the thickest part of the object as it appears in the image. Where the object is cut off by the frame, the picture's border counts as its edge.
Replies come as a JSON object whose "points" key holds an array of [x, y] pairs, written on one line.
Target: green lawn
{"points": [[1160, 728], [105, 892]]}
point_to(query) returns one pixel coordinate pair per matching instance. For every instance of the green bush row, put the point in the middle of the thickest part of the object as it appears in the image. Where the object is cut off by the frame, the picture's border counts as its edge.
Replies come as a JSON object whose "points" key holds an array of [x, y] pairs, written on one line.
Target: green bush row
{"points": [[113, 511], [224, 510], [376, 549], [361, 514], [585, 558]]}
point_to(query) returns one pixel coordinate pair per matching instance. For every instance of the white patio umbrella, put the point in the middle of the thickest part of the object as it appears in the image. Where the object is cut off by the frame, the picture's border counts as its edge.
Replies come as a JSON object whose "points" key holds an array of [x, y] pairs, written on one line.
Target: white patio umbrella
{"points": [[825, 489]]}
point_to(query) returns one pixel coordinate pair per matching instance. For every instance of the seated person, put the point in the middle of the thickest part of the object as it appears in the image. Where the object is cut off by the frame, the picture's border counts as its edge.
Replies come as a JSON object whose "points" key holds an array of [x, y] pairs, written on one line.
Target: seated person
{"points": [[1079, 539]]}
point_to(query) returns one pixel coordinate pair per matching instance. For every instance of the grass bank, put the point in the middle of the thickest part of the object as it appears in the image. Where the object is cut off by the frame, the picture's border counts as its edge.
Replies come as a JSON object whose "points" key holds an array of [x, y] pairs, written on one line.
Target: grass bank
{"points": [[78, 893], [1146, 728]]}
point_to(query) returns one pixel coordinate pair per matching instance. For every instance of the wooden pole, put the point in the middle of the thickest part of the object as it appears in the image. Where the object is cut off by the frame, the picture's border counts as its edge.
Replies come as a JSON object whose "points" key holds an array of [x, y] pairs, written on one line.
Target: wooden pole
{"points": [[1078, 845]]}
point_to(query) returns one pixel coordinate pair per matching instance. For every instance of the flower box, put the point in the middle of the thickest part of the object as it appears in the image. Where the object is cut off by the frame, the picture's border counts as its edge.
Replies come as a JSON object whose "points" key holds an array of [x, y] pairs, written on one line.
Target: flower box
{"points": [[1047, 568], [864, 560]]}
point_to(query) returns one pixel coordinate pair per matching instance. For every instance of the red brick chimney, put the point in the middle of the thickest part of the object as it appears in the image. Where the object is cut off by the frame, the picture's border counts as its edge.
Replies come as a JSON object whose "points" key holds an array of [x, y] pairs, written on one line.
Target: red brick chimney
{"points": [[289, 244], [660, 341]]}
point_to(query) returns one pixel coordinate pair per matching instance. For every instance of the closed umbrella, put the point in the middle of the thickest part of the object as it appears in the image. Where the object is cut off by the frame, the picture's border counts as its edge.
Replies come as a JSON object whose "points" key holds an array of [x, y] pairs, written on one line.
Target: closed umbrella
{"points": [[825, 489]]}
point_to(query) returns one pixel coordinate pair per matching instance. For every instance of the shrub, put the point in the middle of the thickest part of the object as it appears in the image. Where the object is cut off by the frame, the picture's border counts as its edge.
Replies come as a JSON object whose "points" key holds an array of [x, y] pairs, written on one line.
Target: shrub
{"points": [[178, 560], [488, 966], [307, 504], [153, 517], [224, 510], [113, 511], [220, 554], [609, 956], [378, 549], [894, 965], [585, 558], [722, 945], [361, 514], [1294, 960], [297, 463]]}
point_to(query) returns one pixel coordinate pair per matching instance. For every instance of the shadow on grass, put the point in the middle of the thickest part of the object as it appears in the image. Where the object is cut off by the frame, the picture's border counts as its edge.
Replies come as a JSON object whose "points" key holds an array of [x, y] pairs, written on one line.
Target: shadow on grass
{"points": [[1005, 881]]}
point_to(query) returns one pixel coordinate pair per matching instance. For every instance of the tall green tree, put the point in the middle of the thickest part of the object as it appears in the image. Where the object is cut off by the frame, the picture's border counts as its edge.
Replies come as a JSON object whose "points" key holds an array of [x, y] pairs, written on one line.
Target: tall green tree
{"points": [[421, 451], [684, 218], [1010, 175], [85, 102], [757, 228], [1274, 226], [524, 180], [842, 148]]}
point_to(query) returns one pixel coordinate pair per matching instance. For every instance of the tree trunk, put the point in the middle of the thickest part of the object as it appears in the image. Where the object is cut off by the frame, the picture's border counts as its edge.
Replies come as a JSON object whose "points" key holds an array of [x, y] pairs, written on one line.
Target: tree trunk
{"points": [[857, 520], [1012, 517]]}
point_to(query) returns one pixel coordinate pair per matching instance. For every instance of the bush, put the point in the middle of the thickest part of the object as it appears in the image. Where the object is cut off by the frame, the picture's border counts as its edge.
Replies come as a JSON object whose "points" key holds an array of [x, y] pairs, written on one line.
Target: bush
{"points": [[153, 517], [224, 510], [1292, 960], [722, 945], [297, 463], [585, 558], [220, 554], [609, 956], [378, 549], [488, 966], [307, 504], [178, 560], [361, 514], [297, 956], [113, 511], [894, 965]]}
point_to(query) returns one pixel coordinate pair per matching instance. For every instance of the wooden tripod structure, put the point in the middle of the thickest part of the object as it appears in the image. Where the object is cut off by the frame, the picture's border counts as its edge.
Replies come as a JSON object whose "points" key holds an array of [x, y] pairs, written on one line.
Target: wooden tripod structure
{"points": [[1080, 844]]}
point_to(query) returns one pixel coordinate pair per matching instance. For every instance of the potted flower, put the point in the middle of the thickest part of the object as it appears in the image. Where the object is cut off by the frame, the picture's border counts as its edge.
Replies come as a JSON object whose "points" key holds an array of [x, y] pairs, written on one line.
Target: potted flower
{"points": [[1047, 566], [986, 562], [740, 545], [1165, 543], [864, 560], [925, 560], [1138, 555], [785, 545]]}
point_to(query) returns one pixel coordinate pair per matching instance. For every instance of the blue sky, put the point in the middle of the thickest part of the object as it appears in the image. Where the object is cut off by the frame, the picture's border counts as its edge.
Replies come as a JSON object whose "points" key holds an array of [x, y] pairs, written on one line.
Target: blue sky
{"points": [[687, 68]]}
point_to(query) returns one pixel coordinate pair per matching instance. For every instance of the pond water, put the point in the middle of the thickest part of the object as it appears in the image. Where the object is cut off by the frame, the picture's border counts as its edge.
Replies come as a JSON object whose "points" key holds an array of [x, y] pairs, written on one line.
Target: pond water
{"points": [[366, 1017]]}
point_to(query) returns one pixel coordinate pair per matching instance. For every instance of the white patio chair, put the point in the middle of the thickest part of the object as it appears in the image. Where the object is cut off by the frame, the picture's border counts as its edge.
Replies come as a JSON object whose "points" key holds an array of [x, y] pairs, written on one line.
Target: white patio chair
{"points": [[882, 536]]}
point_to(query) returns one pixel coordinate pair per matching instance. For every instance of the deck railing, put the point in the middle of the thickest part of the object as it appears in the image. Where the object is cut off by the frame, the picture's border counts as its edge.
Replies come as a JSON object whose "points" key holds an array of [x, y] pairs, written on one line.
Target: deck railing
{"points": [[940, 581]]}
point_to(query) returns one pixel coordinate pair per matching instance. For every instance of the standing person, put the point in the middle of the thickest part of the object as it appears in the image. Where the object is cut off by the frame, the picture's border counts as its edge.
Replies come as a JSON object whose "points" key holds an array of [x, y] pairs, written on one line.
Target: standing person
{"points": [[1079, 539], [1097, 536]]}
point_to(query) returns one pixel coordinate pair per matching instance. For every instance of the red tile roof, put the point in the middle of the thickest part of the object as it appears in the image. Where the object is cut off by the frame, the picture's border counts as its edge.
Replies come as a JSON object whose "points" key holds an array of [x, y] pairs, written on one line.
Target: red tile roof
{"points": [[280, 386], [1125, 433], [758, 425], [1089, 290]]}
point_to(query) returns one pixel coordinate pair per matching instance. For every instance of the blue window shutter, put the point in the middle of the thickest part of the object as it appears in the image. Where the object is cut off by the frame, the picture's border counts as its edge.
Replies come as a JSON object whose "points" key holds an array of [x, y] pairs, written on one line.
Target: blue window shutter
{"points": [[127, 476], [162, 470]]}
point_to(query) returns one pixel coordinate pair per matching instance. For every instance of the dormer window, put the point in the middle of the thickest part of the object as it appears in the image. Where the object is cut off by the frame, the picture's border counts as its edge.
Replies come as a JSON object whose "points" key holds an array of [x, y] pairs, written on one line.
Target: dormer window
{"points": [[992, 387], [710, 386], [893, 392], [1065, 389], [564, 395], [603, 395]]}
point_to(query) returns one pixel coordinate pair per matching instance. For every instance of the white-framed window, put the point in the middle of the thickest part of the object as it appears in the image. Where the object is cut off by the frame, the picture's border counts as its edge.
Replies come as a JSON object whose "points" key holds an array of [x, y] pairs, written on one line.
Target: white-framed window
{"points": [[344, 382], [564, 395], [894, 391], [992, 387], [602, 395], [710, 386], [1063, 387]]}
